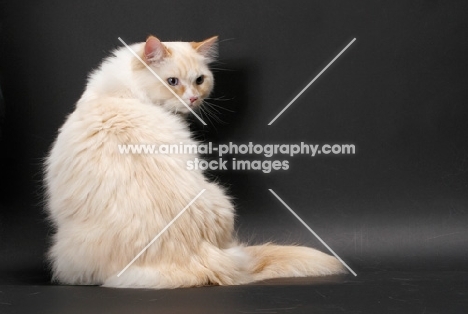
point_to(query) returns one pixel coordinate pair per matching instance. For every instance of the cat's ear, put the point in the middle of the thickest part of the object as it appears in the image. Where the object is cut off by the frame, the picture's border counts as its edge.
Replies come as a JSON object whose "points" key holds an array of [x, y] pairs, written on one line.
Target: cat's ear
{"points": [[207, 48], [155, 50]]}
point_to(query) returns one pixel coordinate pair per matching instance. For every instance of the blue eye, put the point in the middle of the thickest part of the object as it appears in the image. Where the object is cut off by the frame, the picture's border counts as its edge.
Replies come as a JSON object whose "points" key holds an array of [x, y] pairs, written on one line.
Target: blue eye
{"points": [[173, 81]]}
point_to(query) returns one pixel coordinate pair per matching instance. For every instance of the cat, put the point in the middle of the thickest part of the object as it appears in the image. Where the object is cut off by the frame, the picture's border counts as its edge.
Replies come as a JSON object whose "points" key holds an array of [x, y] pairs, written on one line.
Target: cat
{"points": [[106, 206]]}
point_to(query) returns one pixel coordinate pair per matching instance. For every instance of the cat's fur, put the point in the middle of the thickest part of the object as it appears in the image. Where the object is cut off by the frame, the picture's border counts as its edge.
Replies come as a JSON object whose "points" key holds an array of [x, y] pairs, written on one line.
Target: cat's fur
{"points": [[108, 206]]}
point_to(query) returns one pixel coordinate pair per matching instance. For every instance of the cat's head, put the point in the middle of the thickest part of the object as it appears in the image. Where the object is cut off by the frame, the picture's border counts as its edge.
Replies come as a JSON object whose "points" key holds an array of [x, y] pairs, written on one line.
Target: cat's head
{"points": [[183, 66]]}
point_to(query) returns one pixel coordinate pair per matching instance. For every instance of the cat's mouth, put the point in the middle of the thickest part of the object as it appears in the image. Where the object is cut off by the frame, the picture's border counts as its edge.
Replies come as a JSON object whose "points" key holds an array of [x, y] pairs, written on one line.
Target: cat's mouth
{"points": [[188, 108], [195, 104]]}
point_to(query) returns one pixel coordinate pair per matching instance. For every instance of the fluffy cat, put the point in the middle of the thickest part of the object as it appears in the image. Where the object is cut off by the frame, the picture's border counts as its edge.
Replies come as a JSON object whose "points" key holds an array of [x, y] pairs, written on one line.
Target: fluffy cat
{"points": [[106, 206]]}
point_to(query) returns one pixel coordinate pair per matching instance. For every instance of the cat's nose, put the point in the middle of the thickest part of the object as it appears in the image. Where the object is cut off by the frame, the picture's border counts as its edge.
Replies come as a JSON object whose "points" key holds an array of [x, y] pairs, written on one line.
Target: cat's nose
{"points": [[193, 99]]}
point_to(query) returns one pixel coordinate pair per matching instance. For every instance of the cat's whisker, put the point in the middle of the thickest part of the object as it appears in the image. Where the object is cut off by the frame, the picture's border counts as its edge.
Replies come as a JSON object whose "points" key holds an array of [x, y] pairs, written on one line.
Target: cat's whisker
{"points": [[215, 66], [210, 105], [202, 113], [221, 69], [207, 109], [221, 98], [208, 115], [218, 106]]}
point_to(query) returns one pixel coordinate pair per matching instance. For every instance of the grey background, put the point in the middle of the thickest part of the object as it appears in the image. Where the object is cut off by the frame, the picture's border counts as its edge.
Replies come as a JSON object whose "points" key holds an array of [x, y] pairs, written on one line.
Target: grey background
{"points": [[398, 93]]}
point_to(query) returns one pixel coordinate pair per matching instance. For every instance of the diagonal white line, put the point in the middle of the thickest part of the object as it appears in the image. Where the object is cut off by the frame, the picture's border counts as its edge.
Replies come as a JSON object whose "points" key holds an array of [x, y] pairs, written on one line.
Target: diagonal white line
{"points": [[161, 232], [311, 82], [312, 231], [161, 80]]}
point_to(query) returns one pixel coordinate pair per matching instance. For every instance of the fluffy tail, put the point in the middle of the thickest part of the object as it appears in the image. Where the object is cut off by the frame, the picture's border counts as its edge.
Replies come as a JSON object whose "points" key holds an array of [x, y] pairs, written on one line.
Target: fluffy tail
{"points": [[275, 261]]}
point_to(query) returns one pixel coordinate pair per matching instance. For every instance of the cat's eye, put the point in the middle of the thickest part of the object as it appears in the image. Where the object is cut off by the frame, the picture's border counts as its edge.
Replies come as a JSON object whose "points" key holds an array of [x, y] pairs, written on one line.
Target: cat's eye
{"points": [[200, 80], [173, 81]]}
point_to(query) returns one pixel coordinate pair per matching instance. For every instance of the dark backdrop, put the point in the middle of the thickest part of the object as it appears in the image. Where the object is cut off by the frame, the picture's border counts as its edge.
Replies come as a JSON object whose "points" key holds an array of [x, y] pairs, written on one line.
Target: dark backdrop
{"points": [[399, 93]]}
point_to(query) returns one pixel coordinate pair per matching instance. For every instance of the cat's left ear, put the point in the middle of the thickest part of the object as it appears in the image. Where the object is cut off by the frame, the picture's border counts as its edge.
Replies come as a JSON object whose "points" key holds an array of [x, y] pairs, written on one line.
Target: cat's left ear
{"points": [[207, 48], [155, 50]]}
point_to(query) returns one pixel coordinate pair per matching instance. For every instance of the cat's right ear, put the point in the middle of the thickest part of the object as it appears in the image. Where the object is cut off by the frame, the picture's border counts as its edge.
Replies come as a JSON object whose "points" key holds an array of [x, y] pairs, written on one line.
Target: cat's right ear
{"points": [[155, 50], [207, 48]]}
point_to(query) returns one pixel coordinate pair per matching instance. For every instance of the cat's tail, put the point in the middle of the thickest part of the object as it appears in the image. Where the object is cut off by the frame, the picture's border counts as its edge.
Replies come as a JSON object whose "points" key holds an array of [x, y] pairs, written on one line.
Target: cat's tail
{"points": [[275, 261]]}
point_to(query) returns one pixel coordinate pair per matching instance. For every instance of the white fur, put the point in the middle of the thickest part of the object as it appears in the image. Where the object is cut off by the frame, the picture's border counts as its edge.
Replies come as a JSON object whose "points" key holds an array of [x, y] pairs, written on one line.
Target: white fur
{"points": [[107, 206]]}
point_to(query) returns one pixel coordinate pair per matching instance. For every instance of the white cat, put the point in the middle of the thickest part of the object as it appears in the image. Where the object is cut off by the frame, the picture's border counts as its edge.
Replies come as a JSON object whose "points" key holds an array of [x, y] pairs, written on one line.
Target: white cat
{"points": [[108, 206]]}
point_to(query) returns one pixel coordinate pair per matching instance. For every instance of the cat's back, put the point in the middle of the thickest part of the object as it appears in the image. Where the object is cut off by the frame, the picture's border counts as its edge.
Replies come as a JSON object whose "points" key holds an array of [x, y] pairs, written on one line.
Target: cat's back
{"points": [[87, 157], [129, 120]]}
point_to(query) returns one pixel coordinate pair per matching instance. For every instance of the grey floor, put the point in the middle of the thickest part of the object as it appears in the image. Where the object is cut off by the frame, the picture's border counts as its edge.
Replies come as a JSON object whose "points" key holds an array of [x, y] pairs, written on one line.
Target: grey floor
{"points": [[370, 292]]}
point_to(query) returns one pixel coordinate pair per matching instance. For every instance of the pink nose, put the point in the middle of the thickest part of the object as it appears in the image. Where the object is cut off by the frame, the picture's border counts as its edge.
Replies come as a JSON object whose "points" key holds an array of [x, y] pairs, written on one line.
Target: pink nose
{"points": [[193, 99]]}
